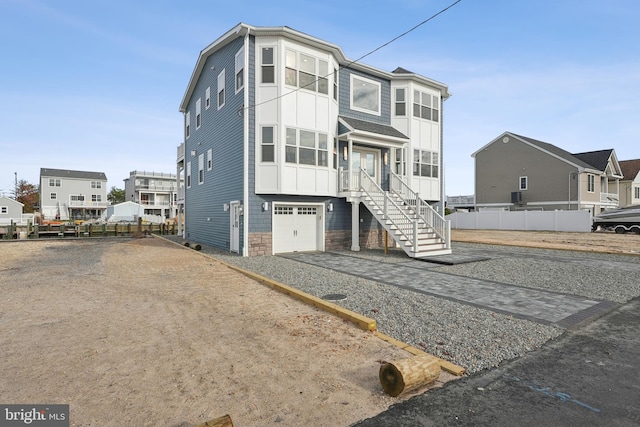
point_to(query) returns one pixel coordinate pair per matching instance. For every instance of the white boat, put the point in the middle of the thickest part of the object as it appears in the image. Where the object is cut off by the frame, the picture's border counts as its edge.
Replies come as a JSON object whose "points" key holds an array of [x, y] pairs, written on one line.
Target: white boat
{"points": [[621, 220]]}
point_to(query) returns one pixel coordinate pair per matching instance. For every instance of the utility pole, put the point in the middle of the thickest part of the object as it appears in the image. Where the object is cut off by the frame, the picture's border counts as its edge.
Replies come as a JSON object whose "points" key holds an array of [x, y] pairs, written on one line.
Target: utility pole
{"points": [[15, 193]]}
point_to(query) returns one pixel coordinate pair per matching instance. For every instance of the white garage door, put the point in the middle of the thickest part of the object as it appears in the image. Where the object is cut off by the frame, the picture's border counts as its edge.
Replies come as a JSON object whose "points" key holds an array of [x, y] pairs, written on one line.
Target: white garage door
{"points": [[296, 228]]}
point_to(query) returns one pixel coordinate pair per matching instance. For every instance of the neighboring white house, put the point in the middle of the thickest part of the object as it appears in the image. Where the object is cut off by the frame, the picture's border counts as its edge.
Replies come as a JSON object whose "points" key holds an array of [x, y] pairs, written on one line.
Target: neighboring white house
{"points": [[125, 211], [68, 194], [157, 192]]}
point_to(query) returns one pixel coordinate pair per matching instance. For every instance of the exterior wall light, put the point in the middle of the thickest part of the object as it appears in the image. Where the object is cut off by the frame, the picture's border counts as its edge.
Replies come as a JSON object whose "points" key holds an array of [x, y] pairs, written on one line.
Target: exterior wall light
{"points": [[265, 206], [330, 207]]}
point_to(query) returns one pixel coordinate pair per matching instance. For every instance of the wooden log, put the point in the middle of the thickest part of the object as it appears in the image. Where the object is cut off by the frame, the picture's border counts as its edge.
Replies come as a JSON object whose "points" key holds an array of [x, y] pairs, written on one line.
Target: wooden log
{"points": [[224, 421], [409, 374]]}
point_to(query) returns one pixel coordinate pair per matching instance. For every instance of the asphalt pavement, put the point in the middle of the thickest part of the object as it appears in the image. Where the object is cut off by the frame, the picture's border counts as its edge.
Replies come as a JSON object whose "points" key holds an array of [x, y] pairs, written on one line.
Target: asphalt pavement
{"points": [[587, 377]]}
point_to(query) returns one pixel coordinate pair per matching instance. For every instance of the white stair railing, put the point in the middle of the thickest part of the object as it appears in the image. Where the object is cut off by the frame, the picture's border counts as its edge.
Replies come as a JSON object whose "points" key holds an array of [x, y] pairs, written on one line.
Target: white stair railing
{"points": [[391, 215], [440, 225]]}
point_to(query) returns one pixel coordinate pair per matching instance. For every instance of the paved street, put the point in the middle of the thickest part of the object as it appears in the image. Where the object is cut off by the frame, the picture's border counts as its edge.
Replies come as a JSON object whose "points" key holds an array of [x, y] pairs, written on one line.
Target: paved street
{"points": [[587, 377]]}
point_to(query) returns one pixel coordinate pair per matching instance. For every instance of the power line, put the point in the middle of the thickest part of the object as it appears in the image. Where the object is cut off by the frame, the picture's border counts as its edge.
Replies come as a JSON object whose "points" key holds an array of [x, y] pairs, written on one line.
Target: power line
{"points": [[435, 15]]}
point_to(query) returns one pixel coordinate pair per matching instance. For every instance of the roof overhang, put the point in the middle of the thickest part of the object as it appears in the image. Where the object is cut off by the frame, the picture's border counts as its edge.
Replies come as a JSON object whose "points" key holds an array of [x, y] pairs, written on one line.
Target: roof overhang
{"points": [[375, 134]]}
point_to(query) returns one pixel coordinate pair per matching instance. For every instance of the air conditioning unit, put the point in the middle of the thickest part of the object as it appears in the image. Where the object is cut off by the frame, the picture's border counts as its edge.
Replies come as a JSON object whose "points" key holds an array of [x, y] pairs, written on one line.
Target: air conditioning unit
{"points": [[516, 196]]}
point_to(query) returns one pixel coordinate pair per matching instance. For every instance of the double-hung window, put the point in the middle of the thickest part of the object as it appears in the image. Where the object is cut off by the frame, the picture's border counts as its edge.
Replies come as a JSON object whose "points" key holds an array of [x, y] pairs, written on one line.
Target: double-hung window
{"points": [[53, 196], [365, 95], [591, 183], [96, 198], [239, 70], [201, 169], [267, 65], [198, 114], [188, 175], [637, 192], [207, 98], [267, 144], [401, 103], [209, 159], [4, 209], [53, 182], [221, 96], [187, 124]]}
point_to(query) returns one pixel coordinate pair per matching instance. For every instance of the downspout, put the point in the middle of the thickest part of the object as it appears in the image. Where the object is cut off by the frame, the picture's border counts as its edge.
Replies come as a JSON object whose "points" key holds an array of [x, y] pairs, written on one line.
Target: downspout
{"points": [[245, 115]]}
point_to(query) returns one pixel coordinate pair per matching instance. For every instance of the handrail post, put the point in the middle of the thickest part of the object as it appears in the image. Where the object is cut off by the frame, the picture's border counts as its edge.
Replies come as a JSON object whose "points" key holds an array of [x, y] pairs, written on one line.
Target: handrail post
{"points": [[415, 235], [386, 205]]}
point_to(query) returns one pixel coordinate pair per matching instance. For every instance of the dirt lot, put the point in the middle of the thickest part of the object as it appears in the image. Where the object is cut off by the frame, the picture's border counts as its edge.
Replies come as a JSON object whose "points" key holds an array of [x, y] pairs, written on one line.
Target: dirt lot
{"points": [[607, 242], [145, 332]]}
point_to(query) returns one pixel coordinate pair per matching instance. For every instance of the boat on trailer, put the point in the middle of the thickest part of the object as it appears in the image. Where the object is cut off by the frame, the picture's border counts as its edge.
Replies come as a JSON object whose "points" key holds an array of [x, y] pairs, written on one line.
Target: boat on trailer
{"points": [[622, 220]]}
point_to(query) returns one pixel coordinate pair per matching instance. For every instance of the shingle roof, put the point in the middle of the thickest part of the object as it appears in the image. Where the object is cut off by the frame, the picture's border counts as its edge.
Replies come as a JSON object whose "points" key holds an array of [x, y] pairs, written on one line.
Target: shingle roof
{"points": [[630, 169], [63, 173], [371, 127], [558, 152], [401, 70], [598, 159]]}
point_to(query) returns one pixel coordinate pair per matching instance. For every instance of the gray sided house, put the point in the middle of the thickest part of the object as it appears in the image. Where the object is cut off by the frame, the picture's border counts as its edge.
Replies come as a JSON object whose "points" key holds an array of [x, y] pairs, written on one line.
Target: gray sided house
{"points": [[290, 146], [515, 172], [10, 210], [72, 195]]}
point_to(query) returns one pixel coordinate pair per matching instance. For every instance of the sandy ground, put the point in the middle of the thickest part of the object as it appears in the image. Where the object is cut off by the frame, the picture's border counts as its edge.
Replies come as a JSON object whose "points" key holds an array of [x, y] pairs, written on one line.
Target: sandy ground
{"points": [[138, 332], [607, 242]]}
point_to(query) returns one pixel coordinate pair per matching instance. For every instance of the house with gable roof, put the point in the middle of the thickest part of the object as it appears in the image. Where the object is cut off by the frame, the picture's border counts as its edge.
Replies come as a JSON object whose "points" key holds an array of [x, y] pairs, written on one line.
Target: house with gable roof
{"points": [[68, 194], [290, 146], [515, 172], [630, 184]]}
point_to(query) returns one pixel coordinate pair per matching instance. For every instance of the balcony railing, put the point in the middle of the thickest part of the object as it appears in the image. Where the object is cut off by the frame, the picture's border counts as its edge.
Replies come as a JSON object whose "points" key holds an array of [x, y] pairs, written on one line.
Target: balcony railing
{"points": [[87, 204], [461, 200], [180, 151], [611, 198]]}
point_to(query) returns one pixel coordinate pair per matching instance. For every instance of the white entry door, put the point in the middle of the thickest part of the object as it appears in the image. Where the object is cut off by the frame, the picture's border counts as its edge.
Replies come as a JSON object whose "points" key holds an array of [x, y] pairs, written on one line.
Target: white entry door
{"points": [[296, 228], [367, 160], [234, 229]]}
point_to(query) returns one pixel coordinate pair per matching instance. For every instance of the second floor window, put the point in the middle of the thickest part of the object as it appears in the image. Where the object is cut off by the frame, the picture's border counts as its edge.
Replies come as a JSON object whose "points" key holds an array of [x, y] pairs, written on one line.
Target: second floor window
{"points": [[188, 175], [53, 182], [96, 184], [302, 71], [306, 148], [425, 164], [53, 196], [77, 198], [267, 145], [187, 124], [209, 159], [637, 192], [201, 169], [96, 198], [207, 98], [591, 183]]}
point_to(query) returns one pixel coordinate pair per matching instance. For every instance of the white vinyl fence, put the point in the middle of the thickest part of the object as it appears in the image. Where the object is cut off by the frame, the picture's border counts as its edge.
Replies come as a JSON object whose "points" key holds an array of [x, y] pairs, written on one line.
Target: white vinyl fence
{"points": [[578, 221]]}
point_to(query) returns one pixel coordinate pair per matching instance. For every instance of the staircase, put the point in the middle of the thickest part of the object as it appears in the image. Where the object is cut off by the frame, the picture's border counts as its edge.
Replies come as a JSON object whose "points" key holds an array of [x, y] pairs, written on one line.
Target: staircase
{"points": [[417, 228]]}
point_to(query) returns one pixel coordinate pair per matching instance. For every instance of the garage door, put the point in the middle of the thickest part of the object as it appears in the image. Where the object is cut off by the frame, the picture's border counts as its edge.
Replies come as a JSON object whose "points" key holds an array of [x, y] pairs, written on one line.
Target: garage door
{"points": [[296, 228]]}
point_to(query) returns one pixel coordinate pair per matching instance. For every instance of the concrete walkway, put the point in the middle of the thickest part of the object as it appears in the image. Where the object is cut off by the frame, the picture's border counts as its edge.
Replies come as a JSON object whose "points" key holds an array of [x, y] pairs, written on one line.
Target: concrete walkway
{"points": [[541, 306]]}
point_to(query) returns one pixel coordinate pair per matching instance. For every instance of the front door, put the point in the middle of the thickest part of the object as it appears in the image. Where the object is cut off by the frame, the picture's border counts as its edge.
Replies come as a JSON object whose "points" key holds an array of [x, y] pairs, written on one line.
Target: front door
{"points": [[234, 238], [368, 160]]}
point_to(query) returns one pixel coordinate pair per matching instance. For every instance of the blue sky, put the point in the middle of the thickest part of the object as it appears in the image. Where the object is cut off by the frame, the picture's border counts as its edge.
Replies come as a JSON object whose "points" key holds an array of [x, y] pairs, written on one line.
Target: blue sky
{"points": [[96, 85]]}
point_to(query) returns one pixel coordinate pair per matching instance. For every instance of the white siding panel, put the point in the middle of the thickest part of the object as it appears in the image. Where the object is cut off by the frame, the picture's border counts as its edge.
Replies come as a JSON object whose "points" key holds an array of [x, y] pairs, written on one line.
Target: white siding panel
{"points": [[307, 181], [322, 115], [289, 179], [267, 179], [268, 112], [290, 110], [306, 110], [323, 181]]}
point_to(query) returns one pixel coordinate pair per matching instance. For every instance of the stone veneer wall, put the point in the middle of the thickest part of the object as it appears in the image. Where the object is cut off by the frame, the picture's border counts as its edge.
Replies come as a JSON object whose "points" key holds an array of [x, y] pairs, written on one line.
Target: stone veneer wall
{"points": [[260, 244], [373, 239], [337, 240]]}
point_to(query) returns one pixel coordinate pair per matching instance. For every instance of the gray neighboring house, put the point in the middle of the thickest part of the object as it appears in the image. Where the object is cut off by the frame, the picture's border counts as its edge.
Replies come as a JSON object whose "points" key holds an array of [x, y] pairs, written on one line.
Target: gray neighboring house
{"points": [[68, 194], [288, 145], [10, 210], [515, 172]]}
